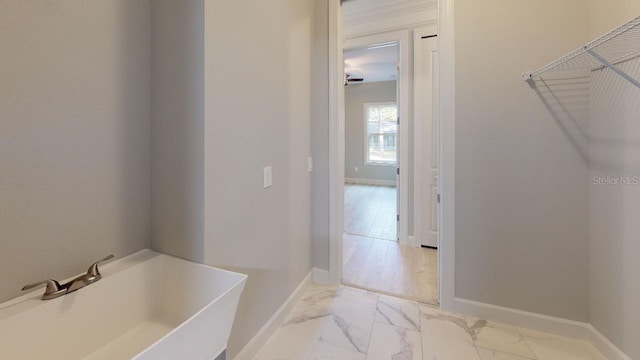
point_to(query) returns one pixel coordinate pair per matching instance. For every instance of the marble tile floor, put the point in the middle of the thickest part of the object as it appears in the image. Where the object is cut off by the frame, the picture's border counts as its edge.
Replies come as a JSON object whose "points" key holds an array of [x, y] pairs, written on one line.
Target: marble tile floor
{"points": [[352, 324]]}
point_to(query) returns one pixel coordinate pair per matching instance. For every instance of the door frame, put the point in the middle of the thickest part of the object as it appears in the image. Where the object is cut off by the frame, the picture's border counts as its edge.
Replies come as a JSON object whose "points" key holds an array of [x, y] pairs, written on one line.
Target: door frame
{"points": [[336, 141], [446, 166], [402, 99], [447, 162], [419, 181]]}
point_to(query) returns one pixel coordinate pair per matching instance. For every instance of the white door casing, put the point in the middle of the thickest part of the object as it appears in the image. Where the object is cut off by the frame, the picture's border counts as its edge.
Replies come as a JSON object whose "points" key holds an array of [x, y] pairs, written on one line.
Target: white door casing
{"points": [[398, 202], [426, 133], [447, 165], [336, 141]]}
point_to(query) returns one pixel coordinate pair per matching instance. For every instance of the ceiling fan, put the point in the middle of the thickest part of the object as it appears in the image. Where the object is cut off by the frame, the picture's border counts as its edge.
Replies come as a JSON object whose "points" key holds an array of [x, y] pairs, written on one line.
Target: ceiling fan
{"points": [[348, 79]]}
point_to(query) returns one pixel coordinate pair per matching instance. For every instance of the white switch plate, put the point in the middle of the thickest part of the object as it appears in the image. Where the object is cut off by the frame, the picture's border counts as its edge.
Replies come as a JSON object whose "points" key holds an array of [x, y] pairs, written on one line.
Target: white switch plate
{"points": [[267, 178], [310, 164]]}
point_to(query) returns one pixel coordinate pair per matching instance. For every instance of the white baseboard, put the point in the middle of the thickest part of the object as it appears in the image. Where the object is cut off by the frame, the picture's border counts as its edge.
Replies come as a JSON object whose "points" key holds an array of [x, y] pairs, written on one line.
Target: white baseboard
{"points": [[606, 347], [520, 318], [549, 324], [370, 181], [321, 276], [252, 348]]}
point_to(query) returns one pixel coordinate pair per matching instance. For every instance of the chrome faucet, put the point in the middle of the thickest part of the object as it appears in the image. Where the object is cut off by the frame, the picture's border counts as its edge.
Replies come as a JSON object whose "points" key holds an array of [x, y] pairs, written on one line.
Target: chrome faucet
{"points": [[55, 289]]}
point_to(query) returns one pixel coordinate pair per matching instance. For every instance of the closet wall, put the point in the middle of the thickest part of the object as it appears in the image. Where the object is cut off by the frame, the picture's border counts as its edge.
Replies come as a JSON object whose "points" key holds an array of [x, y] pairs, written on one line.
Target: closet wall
{"points": [[606, 15], [560, 149], [614, 208], [521, 190]]}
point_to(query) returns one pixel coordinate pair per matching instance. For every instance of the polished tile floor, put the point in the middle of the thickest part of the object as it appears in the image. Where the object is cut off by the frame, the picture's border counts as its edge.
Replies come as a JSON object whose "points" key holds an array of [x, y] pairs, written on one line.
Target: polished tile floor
{"points": [[352, 324]]}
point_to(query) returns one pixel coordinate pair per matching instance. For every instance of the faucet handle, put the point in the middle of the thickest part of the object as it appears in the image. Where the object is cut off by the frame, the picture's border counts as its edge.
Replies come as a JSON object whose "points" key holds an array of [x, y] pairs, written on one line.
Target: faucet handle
{"points": [[52, 286], [93, 269]]}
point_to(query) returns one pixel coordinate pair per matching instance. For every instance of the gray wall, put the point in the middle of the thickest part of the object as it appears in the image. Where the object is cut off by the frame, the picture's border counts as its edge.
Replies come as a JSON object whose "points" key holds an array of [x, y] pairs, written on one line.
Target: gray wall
{"points": [[604, 16], [74, 136], [614, 209], [320, 136], [225, 104], [356, 95], [521, 197], [178, 128], [76, 142], [614, 294], [258, 113]]}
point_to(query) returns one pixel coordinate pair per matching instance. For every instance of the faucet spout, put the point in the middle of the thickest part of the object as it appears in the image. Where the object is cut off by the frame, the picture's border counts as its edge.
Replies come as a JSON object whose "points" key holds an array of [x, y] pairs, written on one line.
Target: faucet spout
{"points": [[55, 289], [92, 275], [93, 269]]}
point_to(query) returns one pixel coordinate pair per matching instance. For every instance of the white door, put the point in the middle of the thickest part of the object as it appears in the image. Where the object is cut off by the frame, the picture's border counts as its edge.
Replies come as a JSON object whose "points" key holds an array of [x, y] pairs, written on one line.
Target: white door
{"points": [[398, 183], [426, 58]]}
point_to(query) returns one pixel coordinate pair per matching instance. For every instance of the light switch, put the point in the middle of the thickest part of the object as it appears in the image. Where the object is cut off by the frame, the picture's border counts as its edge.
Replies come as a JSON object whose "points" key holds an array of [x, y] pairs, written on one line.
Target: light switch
{"points": [[310, 164], [267, 178]]}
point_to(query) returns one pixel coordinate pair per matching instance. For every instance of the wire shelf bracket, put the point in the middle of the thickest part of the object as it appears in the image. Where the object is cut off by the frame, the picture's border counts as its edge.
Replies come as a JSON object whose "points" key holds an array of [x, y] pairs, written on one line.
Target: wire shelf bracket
{"points": [[619, 45]]}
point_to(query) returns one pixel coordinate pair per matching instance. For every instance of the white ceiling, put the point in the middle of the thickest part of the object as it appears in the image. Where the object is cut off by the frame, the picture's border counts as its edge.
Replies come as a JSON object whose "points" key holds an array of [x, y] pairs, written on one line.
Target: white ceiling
{"points": [[374, 63]]}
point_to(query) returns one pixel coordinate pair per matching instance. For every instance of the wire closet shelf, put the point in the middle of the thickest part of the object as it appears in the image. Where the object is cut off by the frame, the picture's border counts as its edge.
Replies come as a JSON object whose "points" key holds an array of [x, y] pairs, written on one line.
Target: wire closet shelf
{"points": [[617, 46]]}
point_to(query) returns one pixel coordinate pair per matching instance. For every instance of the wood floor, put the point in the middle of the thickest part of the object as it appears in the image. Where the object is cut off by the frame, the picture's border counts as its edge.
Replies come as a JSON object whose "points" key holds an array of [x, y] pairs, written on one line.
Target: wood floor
{"points": [[370, 211], [389, 267], [383, 265]]}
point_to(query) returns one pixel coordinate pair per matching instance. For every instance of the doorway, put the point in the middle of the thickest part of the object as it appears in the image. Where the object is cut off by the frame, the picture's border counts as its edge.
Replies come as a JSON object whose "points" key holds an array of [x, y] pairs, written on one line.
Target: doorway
{"points": [[446, 161], [372, 141], [379, 250]]}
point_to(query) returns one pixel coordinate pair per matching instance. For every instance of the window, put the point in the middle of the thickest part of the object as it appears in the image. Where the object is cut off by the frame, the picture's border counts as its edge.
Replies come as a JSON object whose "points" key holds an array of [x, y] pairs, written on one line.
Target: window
{"points": [[381, 128]]}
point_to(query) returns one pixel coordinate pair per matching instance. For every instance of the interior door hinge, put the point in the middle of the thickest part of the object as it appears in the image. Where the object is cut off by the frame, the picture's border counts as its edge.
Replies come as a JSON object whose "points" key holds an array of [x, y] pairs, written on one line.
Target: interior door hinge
{"points": [[438, 198], [398, 120], [398, 171], [397, 217]]}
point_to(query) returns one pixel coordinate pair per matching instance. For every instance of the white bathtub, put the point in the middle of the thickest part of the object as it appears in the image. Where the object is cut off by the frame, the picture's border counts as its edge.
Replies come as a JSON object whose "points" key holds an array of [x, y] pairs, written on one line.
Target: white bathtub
{"points": [[148, 306]]}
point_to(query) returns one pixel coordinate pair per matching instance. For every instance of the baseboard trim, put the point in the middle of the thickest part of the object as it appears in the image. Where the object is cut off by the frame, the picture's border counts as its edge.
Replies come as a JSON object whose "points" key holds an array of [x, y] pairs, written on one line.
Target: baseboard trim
{"points": [[411, 241], [546, 323], [321, 276], [605, 346], [521, 318], [370, 181], [252, 348]]}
